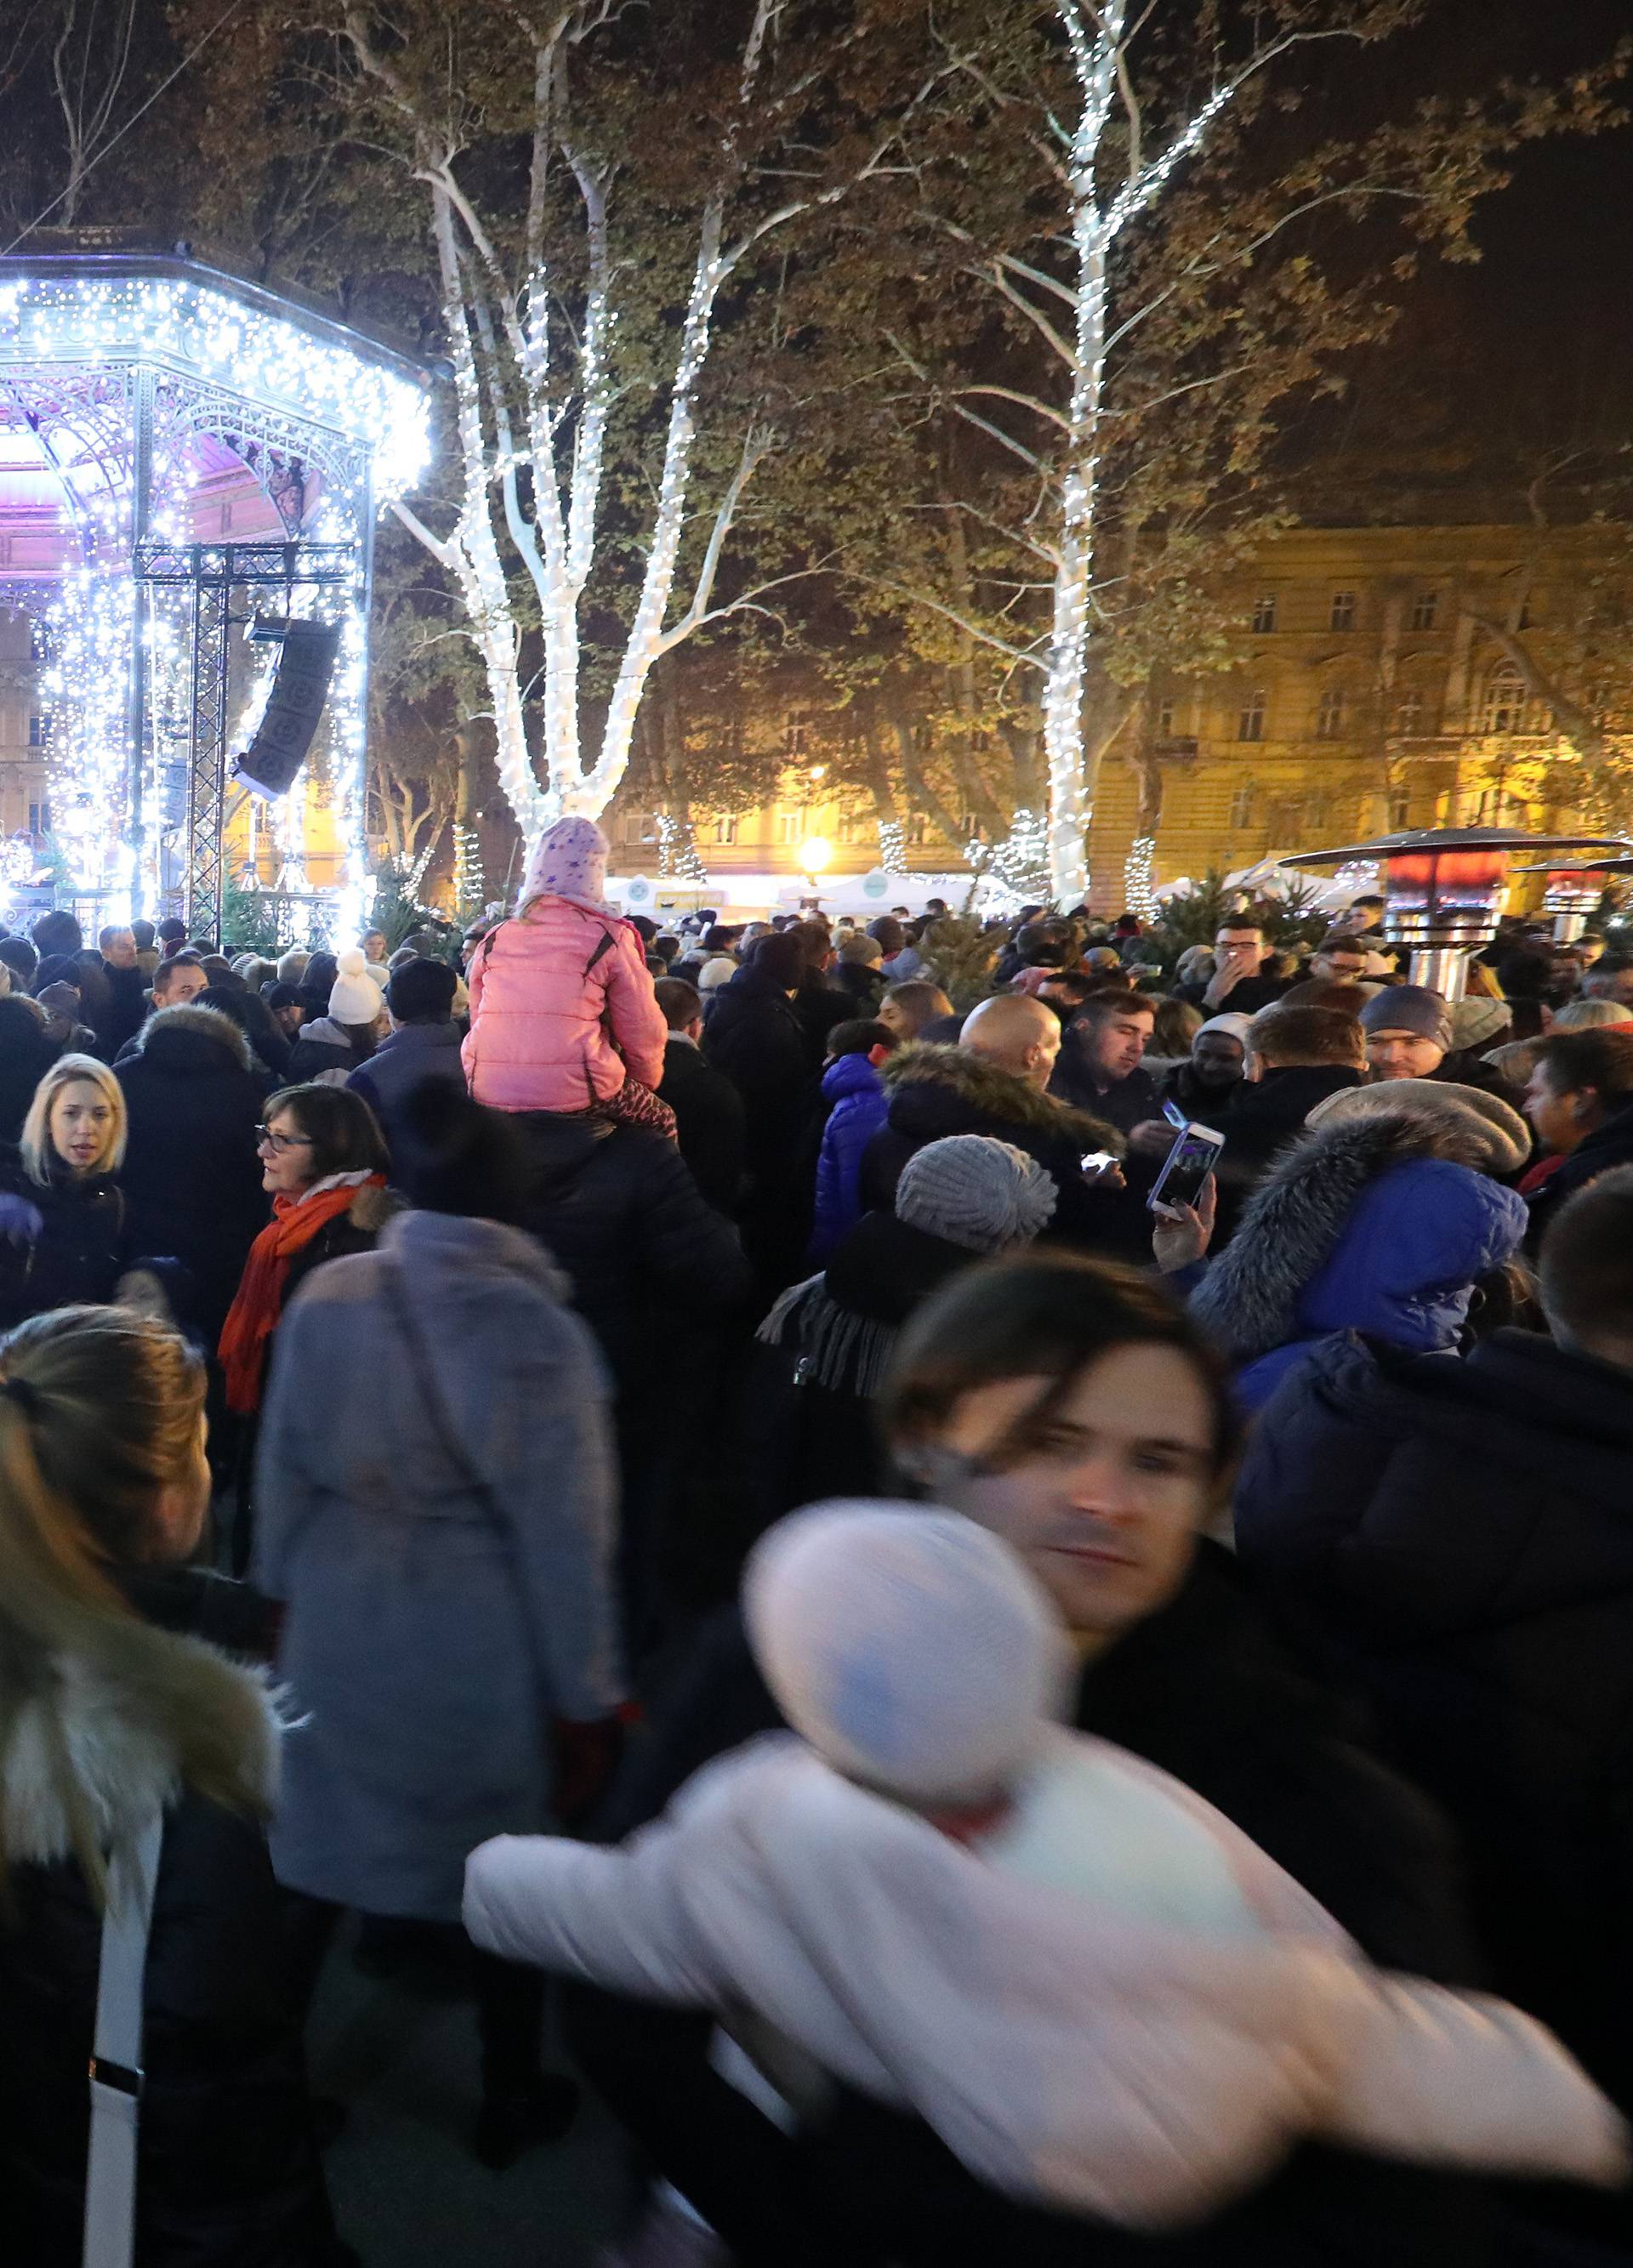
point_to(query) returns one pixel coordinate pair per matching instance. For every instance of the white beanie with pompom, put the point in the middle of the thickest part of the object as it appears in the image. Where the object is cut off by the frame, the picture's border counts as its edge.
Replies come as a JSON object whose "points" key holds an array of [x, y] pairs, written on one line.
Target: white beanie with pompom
{"points": [[354, 997]]}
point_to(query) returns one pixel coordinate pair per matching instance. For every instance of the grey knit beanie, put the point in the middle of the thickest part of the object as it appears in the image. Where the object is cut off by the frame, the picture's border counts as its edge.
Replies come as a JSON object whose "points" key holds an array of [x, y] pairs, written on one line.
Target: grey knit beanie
{"points": [[971, 1190], [1408, 1008]]}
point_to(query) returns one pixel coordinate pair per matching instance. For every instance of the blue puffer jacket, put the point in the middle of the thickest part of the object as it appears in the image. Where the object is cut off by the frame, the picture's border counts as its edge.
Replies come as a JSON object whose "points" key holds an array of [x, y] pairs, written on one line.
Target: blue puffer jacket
{"points": [[1375, 1226], [857, 1106]]}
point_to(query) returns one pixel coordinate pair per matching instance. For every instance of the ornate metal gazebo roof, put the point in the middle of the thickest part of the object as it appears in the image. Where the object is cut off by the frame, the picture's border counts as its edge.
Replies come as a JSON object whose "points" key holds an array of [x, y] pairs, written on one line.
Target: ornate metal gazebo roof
{"points": [[170, 436]]}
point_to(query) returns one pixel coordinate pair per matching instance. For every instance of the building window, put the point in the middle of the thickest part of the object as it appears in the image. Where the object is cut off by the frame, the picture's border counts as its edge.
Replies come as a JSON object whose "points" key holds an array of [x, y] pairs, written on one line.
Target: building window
{"points": [[790, 827], [1165, 721], [1425, 607], [1264, 613], [796, 740], [1250, 723], [1503, 709], [40, 819], [913, 832], [725, 828], [36, 731], [1330, 713], [968, 827], [1344, 610], [849, 827], [1242, 803], [1399, 809], [1409, 712], [634, 828]]}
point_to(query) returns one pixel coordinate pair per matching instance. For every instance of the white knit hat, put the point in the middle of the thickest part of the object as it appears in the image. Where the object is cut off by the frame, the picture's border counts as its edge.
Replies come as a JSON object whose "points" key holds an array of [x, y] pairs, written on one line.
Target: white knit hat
{"points": [[354, 998], [909, 1646], [974, 1190]]}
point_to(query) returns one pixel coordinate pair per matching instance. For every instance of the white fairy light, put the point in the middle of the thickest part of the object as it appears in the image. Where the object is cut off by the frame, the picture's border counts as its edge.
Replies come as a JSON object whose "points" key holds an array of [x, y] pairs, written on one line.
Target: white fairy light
{"points": [[892, 846], [678, 850], [1138, 895]]}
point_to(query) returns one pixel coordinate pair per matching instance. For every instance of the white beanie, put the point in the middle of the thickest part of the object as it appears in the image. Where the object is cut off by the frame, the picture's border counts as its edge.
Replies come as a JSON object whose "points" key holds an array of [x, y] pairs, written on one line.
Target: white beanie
{"points": [[1232, 1021], [909, 1646], [974, 1190], [354, 998]]}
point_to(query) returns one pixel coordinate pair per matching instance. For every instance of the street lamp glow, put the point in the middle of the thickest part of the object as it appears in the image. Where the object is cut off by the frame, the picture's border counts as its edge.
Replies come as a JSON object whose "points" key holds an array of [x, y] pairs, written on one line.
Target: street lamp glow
{"points": [[815, 854]]}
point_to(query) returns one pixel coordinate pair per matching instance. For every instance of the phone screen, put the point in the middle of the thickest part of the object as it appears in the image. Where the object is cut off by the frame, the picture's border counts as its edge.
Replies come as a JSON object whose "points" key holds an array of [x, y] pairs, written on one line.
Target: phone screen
{"points": [[1190, 1162]]}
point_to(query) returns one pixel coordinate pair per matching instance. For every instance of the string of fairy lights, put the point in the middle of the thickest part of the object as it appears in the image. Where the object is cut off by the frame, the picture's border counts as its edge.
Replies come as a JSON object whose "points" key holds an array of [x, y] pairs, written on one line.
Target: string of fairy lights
{"points": [[215, 362]]}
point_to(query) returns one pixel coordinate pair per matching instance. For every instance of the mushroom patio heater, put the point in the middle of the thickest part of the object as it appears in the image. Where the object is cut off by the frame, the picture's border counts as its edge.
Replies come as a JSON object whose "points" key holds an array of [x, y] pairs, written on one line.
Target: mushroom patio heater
{"points": [[1573, 892], [1444, 887]]}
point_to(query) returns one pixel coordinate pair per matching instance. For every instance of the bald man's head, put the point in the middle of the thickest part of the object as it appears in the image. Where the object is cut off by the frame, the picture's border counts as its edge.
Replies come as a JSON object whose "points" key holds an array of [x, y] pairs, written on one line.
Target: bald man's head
{"points": [[1018, 1035]]}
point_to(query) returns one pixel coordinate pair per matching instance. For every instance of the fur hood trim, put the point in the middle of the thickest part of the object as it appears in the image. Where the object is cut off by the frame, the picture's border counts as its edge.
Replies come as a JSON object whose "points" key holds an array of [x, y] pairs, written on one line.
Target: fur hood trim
{"points": [[208, 1023], [997, 1093], [1248, 1301], [108, 1717], [371, 1207]]}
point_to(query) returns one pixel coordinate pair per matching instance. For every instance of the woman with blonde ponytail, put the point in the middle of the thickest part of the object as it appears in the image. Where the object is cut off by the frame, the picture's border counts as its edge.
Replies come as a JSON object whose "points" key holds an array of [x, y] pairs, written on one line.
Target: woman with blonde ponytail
{"points": [[113, 1707]]}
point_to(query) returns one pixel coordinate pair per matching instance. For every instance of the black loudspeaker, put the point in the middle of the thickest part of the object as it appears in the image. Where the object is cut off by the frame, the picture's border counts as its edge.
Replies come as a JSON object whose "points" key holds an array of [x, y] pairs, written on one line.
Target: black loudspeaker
{"points": [[269, 765]]}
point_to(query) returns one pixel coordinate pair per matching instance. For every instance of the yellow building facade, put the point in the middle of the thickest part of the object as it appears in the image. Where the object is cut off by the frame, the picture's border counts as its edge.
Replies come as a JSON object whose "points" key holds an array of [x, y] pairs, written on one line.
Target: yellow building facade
{"points": [[1387, 679]]}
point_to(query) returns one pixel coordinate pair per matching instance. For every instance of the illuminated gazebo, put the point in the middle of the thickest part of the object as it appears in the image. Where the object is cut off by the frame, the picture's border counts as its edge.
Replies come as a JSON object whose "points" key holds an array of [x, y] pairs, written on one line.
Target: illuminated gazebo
{"points": [[182, 455]]}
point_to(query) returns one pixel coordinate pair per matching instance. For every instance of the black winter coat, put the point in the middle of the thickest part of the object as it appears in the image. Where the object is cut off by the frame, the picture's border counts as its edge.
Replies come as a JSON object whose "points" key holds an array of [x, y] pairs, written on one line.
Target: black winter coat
{"points": [[228, 2176], [83, 1248], [1265, 1115], [191, 1176], [1459, 1534], [27, 1051], [1609, 1145], [820, 1003], [937, 1091], [1207, 1691], [617, 1207], [754, 1036], [709, 1122]]}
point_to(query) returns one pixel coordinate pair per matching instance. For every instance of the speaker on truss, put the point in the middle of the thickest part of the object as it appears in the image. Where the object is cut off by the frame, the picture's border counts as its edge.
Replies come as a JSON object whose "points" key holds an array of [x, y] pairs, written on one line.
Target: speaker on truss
{"points": [[294, 707]]}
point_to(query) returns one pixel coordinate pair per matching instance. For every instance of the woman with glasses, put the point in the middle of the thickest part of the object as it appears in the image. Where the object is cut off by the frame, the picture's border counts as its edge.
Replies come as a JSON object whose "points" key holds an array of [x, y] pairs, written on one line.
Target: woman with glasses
{"points": [[324, 1164], [63, 1226]]}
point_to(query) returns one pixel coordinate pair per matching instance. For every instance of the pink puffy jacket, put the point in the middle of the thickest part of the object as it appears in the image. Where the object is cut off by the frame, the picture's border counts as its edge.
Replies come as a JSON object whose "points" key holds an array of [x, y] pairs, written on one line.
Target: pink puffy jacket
{"points": [[538, 994]]}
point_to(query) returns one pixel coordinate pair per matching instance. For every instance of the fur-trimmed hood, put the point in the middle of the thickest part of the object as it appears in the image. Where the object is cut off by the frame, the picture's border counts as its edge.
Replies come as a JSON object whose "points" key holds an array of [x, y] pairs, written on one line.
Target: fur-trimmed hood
{"points": [[923, 1080], [114, 1710], [180, 1035], [1378, 1223]]}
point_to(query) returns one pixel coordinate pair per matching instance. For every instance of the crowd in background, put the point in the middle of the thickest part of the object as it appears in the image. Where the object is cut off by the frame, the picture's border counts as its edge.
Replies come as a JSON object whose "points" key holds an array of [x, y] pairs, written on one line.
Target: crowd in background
{"points": [[445, 1328]]}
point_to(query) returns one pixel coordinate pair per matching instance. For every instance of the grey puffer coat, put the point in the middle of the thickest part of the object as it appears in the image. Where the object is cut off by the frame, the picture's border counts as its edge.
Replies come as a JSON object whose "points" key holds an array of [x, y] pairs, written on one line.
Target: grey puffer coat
{"points": [[436, 1505]]}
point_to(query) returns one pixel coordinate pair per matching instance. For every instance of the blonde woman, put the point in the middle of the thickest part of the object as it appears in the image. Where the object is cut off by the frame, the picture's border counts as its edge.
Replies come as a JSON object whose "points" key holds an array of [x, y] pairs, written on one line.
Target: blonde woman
{"points": [[114, 1709], [62, 1234]]}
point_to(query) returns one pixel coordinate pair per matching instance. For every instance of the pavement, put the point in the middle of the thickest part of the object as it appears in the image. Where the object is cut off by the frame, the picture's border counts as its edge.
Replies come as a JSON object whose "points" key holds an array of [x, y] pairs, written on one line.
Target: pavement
{"points": [[402, 2055]]}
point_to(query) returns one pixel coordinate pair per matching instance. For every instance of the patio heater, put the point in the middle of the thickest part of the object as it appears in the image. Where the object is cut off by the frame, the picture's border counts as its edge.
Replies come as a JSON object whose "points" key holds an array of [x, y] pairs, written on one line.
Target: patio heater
{"points": [[1574, 892], [1444, 888]]}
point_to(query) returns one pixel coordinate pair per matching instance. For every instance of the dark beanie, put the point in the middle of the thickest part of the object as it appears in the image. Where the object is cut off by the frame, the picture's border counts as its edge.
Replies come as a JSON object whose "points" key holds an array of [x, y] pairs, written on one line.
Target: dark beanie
{"points": [[278, 996], [421, 989], [781, 957], [57, 969]]}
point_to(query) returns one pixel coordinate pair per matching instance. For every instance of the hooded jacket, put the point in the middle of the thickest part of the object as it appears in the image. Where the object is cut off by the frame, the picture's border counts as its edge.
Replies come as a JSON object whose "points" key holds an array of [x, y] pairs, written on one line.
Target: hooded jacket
{"points": [[226, 2172], [561, 1007], [1459, 1536], [191, 1176], [935, 1091], [486, 1572], [1374, 1225], [857, 1106], [324, 1054]]}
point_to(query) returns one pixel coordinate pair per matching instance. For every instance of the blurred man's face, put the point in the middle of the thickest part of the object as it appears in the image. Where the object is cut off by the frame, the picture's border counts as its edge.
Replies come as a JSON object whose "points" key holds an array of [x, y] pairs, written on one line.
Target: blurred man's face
{"points": [[1241, 950], [1561, 1119], [1114, 1044], [1403, 1055], [119, 949], [1216, 1058], [184, 982], [1339, 964]]}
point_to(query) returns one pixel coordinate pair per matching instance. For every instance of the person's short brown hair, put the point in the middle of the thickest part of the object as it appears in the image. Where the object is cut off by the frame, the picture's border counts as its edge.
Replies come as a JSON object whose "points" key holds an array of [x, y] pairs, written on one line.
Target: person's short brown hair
{"points": [[1108, 1000], [1586, 1267], [1600, 1058], [1283, 1036], [1343, 940], [1325, 992], [682, 1003], [186, 959], [343, 1131], [1045, 1315]]}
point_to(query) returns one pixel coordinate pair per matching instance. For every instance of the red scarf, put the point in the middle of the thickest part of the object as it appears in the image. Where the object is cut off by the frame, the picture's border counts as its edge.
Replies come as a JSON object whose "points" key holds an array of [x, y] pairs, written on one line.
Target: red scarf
{"points": [[253, 1316]]}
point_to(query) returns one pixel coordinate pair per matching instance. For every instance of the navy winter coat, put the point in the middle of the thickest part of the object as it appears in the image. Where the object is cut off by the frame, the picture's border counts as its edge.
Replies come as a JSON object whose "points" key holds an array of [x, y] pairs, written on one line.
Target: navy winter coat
{"points": [[859, 1108]]}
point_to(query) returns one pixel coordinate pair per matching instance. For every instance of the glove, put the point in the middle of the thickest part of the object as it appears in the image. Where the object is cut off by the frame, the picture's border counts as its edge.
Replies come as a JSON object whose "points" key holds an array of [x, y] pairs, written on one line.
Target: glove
{"points": [[20, 1221]]}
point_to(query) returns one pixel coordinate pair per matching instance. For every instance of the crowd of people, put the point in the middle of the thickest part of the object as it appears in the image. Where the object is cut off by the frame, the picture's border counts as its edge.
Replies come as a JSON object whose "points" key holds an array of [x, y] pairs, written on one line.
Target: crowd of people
{"points": [[1172, 1803]]}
